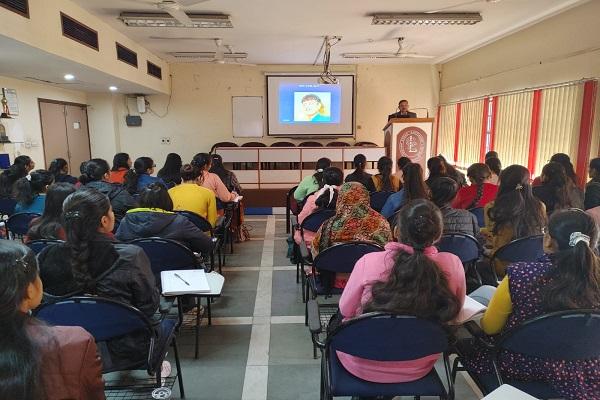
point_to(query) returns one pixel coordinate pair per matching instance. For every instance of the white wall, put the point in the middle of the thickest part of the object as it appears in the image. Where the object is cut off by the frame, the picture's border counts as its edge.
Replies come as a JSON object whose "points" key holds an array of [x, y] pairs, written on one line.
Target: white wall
{"points": [[562, 48], [199, 113], [28, 94]]}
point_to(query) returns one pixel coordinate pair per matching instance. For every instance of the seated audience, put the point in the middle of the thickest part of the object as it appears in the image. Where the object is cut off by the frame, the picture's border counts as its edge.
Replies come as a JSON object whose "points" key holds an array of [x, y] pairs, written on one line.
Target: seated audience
{"points": [[155, 218], [170, 173], [211, 181], [592, 189], [564, 160], [89, 262], [325, 198], [414, 188], [189, 196], [227, 177], [400, 164], [40, 361], [30, 192], [491, 154], [437, 169], [360, 175], [140, 176], [554, 188], [567, 278], [515, 213], [121, 165], [384, 181], [60, 169], [453, 173], [443, 192], [409, 277], [95, 176], [20, 169], [480, 192], [312, 183], [49, 225], [354, 220], [495, 167]]}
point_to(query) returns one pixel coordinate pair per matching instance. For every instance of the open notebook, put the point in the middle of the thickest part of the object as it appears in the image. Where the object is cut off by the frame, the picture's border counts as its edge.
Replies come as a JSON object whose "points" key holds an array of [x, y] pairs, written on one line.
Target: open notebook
{"points": [[184, 281], [472, 310]]}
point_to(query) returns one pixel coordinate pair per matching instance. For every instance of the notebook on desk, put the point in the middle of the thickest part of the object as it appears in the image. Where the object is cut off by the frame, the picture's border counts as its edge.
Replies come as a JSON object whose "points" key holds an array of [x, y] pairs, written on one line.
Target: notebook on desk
{"points": [[186, 281]]}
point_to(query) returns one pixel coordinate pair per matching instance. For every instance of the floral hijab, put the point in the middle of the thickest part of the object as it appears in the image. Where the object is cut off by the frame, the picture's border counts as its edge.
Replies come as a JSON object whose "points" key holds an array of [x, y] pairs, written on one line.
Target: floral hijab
{"points": [[354, 219]]}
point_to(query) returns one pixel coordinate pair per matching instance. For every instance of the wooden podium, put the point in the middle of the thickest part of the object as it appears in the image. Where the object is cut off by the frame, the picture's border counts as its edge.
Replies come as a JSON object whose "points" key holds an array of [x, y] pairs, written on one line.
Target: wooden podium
{"points": [[409, 137]]}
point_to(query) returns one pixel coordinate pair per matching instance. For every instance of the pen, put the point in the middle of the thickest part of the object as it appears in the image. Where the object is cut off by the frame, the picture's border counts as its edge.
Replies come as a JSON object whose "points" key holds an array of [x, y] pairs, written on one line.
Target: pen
{"points": [[184, 281]]}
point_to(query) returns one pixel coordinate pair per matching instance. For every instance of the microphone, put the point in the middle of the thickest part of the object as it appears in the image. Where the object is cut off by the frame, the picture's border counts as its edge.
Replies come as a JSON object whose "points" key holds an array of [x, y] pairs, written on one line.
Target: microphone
{"points": [[423, 108]]}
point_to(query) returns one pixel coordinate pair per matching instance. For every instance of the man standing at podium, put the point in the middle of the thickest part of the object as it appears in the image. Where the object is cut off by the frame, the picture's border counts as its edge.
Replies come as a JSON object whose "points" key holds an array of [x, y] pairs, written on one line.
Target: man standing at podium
{"points": [[403, 111]]}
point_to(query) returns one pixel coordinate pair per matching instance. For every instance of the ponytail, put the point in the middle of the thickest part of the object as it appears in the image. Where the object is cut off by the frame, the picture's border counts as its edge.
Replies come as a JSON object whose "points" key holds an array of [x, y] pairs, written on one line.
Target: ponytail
{"points": [[93, 171], [132, 177], [27, 188], [322, 164], [328, 199]]}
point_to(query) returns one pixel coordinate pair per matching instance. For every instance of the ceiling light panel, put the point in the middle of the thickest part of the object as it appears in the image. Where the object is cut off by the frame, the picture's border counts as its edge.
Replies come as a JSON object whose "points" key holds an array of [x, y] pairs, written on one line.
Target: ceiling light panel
{"points": [[164, 20], [207, 55], [425, 19]]}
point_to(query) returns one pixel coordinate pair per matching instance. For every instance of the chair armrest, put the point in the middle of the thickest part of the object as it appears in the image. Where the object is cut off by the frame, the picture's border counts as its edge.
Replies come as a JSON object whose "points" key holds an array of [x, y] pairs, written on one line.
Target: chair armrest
{"points": [[314, 317]]}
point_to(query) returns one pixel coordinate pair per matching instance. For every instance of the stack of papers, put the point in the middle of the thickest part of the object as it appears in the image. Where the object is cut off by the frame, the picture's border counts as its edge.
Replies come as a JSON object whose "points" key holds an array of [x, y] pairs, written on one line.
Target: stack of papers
{"points": [[472, 309], [186, 281]]}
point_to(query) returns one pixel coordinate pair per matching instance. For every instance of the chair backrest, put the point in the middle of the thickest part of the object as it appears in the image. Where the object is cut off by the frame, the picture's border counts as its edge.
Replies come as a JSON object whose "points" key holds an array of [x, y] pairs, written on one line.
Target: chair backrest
{"points": [[478, 213], [526, 249], [386, 337], [198, 220], [337, 144], [465, 247], [38, 245], [365, 144], [19, 223], [314, 221], [378, 200], [103, 318], [565, 335], [254, 144], [342, 257], [7, 206], [283, 144], [291, 202], [310, 144], [166, 254]]}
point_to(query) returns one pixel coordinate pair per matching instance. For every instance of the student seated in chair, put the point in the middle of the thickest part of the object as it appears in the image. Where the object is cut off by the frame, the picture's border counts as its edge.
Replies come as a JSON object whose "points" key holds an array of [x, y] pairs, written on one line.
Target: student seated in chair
{"points": [[314, 182], [30, 192], [91, 263], [155, 218], [409, 278], [359, 175], [20, 169], [190, 196], [141, 175], [567, 278], [49, 225], [170, 173], [414, 188], [480, 192], [211, 181], [40, 361], [60, 169], [443, 192], [384, 181], [121, 165]]}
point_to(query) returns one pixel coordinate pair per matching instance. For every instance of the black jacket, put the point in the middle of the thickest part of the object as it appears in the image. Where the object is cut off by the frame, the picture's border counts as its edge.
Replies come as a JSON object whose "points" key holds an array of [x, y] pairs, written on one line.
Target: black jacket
{"points": [[145, 222], [119, 197], [592, 195], [398, 115], [546, 195], [364, 178], [460, 221]]}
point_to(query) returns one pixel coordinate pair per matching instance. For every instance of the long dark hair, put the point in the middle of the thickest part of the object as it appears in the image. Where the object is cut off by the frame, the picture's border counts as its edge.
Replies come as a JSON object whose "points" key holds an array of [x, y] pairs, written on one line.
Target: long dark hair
{"points": [[9, 177], [416, 285], [57, 166], [436, 167], [20, 360], [595, 165], [120, 160], [171, 171], [322, 163], [47, 226], [26, 189], [554, 176], [202, 161], [219, 169], [564, 160], [574, 282], [93, 170], [414, 186], [478, 173], [83, 211], [332, 176], [515, 206], [156, 195], [450, 170], [190, 172], [443, 191], [494, 165], [384, 166], [140, 166]]}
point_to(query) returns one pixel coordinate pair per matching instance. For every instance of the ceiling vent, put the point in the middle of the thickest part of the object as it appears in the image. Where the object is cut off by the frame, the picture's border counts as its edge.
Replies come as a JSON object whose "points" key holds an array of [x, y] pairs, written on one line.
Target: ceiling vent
{"points": [[126, 55], [77, 31], [19, 6], [154, 70]]}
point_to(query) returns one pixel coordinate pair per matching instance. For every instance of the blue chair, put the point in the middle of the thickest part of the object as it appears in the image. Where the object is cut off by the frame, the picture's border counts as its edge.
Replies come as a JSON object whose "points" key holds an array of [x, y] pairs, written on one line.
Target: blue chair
{"points": [[478, 213], [292, 207], [168, 255], [380, 337], [205, 226], [465, 247], [38, 245], [527, 249], [7, 207], [312, 223], [378, 200], [18, 224], [107, 319], [565, 335]]}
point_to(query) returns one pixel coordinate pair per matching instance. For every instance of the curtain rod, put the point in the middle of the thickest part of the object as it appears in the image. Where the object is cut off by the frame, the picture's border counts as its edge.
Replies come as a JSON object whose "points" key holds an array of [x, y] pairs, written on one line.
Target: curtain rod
{"points": [[524, 90]]}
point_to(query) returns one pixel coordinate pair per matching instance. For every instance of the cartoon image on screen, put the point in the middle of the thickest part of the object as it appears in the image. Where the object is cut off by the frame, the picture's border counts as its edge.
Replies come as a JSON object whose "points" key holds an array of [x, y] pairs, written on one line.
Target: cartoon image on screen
{"points": [[312, 107]]}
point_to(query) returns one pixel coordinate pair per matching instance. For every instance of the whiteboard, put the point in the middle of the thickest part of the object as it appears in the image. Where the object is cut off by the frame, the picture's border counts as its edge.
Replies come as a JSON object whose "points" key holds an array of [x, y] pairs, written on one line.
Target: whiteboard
{"points": [[247, 116]]}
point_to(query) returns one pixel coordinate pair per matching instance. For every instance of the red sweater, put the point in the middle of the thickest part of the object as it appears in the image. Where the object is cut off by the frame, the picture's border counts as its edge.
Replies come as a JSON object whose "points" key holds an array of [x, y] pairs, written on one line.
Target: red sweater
{"points": [[466, 195]]}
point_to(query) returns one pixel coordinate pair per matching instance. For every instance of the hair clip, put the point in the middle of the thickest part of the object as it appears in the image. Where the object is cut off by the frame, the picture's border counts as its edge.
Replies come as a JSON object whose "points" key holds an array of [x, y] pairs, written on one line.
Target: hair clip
{"points": [[320, 170], [21, 263], [577, 237], [72, 215], [28, 178], [519, 187]]}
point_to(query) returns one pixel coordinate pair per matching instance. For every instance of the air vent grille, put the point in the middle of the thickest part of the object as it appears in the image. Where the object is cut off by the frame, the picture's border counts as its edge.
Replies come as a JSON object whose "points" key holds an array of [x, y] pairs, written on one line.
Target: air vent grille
{"points": [[19, 6], [77, 31], [126, 55], [154, 70]]}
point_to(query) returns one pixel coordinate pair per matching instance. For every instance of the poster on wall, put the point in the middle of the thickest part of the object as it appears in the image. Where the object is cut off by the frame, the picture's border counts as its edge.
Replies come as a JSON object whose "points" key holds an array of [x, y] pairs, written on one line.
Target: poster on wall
{"points": [[13, 102]]}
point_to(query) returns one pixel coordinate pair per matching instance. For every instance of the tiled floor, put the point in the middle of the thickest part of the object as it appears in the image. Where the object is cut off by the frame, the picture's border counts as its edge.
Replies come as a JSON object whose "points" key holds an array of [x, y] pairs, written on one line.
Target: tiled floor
{"points": [[258, 347]]}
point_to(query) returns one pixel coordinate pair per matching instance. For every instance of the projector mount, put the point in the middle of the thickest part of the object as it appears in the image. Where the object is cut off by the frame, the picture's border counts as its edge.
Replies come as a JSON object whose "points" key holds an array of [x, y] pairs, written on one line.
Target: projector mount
{"points": [[327, 76]]}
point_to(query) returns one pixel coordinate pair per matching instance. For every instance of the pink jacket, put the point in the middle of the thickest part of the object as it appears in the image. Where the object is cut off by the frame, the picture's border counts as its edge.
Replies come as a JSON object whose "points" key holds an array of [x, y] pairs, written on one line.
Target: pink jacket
{"points": [[309, 208], [213, 182], [376, 267]]}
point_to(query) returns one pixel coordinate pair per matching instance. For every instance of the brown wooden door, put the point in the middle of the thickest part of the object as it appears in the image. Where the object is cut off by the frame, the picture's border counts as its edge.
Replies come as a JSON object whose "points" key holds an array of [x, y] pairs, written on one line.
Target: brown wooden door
{"points": [[54, 131], [78, 137]]}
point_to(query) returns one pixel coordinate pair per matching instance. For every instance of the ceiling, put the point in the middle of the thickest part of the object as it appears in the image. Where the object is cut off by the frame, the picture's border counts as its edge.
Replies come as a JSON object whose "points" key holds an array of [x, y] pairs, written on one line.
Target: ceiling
{"points": [[291, 32]]}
